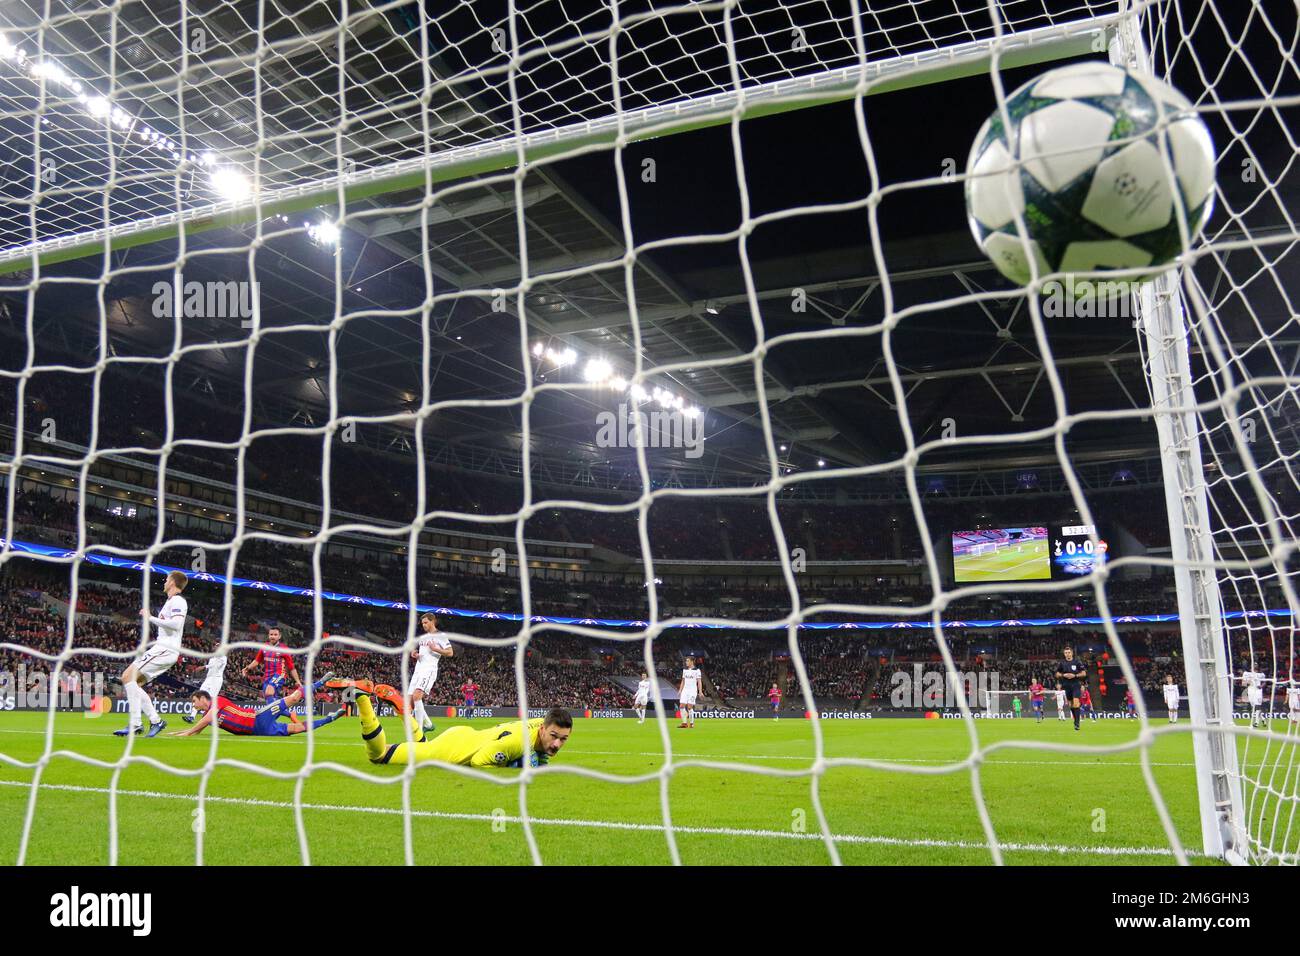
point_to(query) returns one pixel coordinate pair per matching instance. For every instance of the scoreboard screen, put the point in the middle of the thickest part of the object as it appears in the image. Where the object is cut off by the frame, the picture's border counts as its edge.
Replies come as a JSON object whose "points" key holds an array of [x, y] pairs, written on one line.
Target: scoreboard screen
{"points": [[1037, 553], [1001, 554], [1073, 552]]}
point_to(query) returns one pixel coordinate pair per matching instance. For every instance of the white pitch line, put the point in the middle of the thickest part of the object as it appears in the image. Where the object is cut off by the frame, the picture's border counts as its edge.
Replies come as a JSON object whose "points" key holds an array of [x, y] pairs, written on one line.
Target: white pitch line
{"points": [[987, 762], [853, 838], [681, 755]]}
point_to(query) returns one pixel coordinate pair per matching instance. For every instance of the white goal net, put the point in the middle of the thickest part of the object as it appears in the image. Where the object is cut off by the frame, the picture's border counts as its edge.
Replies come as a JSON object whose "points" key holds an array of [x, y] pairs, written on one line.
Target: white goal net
{"points": [[363, 181]]}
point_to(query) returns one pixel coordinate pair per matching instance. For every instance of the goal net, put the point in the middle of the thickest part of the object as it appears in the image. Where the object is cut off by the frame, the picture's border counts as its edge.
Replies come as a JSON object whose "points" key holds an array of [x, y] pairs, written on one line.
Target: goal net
{"points": [[310, 229]]}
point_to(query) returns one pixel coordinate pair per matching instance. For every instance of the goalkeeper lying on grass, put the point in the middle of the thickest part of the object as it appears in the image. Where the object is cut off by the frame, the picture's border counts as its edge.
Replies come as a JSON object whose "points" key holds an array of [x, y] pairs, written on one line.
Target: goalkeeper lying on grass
{"points": [[501, 746]]}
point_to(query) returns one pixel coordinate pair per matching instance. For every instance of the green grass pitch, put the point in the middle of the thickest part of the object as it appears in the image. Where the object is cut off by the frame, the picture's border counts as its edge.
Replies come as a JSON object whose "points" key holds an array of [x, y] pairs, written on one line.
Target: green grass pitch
{"points": [[1026, 561], [1057, 808]]}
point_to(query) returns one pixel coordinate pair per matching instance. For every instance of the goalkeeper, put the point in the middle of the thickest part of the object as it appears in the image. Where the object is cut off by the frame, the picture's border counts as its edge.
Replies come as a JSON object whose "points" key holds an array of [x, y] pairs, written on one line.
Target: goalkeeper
{"points": [[501, 746]]}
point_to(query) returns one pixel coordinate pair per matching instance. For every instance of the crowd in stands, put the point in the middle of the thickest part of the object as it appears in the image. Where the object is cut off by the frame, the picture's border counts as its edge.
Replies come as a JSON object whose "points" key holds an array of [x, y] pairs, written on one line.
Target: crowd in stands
{"points": [[561, 669], [623, 595], [558, 668], [382, 486]]}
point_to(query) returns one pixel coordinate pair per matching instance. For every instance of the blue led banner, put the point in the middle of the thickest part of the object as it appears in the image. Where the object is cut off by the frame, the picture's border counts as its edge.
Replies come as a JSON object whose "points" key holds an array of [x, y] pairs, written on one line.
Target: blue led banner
{"points": [[130, 564]]}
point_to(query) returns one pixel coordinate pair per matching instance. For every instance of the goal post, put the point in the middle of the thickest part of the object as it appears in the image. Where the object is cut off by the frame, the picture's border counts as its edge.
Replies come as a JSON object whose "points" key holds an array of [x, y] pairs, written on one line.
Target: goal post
{"points": [[1207, 538], [1200, 609]]}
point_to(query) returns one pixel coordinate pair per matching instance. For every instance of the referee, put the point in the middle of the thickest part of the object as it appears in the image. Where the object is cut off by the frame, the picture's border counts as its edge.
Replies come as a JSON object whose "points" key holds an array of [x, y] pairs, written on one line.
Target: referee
{"points": [[1071, 674]]}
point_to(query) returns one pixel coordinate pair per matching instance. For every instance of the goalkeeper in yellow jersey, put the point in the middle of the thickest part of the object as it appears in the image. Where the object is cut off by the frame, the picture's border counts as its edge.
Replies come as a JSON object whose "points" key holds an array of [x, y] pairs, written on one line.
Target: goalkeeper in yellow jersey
{"points": [[501, 746]]}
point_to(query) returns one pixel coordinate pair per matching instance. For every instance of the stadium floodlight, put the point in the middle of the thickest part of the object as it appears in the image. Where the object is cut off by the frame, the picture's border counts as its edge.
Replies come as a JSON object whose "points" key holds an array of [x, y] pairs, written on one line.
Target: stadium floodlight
{"points": [[597, 371], [538, 349], [324, 233], [230, 183]]}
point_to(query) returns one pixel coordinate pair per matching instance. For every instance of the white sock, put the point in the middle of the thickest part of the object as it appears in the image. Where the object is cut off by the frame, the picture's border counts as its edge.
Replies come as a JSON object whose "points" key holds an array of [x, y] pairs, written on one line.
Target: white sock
{"points": [[133, 691], [420, 715], [146, 704]]}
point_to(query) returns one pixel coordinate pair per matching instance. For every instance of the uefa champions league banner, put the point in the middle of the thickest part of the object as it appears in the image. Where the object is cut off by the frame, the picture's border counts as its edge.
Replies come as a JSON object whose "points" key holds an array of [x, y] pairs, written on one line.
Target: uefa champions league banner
{"points": [[129, 564]]}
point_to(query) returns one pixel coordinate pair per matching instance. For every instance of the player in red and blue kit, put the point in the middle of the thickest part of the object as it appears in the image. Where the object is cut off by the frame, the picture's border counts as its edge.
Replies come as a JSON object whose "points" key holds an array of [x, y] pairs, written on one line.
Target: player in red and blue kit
{"points": [[277, 665], [774, 695], [1130, 704], [250, 722], [1036, 691], [1085, 699], [469, 690]]}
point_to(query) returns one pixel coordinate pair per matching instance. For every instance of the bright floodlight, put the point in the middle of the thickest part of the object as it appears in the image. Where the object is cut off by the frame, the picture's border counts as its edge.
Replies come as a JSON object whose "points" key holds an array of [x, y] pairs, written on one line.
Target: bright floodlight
{"points": [[324, 233], [597, 370], [539, 349], [230, 183]]}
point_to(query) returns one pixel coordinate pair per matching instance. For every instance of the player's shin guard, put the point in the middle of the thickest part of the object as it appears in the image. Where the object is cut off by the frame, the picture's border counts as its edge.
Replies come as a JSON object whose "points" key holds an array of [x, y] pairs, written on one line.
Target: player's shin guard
{"points": [[372, 732]]}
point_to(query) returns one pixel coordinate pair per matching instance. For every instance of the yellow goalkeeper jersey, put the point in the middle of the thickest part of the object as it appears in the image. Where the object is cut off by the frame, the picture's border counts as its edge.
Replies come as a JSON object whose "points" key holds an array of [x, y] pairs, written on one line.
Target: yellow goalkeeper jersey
{"points": [[497, 746]]}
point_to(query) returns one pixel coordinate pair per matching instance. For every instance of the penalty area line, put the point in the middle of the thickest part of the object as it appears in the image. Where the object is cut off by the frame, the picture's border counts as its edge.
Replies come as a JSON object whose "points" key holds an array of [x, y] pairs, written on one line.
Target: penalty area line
{"points": [[843, 838]]}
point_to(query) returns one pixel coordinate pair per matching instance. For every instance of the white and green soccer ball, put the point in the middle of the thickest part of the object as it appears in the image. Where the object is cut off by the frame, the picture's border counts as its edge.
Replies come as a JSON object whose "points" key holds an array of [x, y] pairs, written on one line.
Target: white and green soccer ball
{"points": [[1092, 185]]}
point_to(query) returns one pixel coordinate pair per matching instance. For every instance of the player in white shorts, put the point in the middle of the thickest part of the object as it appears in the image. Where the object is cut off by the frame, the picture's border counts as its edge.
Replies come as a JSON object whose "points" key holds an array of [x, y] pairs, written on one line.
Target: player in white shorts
{"points": [[157, 658], [213, 680], [431, 648], [1060, 703], [688, 691], [1254, 695], [642, 699], [1170, 691], [1293, 704]]}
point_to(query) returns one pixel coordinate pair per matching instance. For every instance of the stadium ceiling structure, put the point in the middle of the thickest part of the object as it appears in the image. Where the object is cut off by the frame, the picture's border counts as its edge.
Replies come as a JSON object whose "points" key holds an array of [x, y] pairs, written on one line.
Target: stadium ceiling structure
{"points": [[973, 365]]}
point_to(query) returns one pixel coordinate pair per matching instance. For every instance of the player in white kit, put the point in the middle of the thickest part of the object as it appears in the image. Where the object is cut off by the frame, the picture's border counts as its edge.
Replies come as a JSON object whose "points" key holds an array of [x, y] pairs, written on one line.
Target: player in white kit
{"points": [[1060, 703], [1293, 705], [1170, 691], [431, 648], [157, 658], [213, 680], [642, 699], [688, 692], [1254, 695]]}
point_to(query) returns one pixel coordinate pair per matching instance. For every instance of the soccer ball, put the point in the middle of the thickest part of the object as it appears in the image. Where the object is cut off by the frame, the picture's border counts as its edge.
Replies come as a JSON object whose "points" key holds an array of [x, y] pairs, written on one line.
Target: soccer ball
{"points": [[1092, 186]]}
